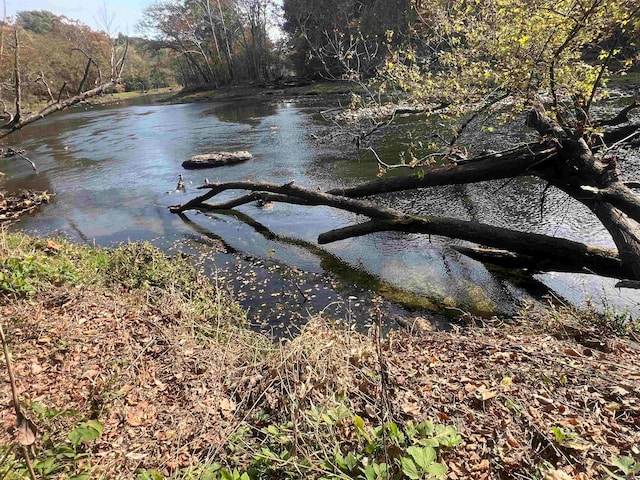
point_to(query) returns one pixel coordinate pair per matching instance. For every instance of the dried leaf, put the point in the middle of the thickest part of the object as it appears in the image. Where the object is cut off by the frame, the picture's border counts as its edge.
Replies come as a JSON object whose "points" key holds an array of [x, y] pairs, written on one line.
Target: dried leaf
{"points": [[227, 407], [53, 245], [25, 431], [513, 443]]}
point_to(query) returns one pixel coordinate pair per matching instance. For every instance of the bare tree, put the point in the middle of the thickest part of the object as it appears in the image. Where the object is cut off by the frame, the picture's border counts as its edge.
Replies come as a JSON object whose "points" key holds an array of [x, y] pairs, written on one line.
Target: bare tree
{"points": [[17, 120]]}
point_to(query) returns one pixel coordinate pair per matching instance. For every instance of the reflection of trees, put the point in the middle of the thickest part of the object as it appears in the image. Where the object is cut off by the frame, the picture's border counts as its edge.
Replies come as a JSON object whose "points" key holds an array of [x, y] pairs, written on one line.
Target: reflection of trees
{"points": [[332, 264], [248, 113]]}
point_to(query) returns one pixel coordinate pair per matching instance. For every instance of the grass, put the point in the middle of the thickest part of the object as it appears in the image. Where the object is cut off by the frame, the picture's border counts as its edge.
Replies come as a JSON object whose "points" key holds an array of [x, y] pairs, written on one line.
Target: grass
{"points": [[132, 365]]}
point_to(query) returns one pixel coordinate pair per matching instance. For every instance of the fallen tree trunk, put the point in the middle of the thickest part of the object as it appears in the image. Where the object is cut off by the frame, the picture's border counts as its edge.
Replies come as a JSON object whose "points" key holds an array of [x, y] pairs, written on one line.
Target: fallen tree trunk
{"points": [[14, 125], [568, 160]]}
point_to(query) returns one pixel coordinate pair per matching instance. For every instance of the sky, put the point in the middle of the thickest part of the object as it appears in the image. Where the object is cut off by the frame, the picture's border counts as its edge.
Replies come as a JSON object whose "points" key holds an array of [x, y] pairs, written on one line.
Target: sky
{"points": [[126, 12]]}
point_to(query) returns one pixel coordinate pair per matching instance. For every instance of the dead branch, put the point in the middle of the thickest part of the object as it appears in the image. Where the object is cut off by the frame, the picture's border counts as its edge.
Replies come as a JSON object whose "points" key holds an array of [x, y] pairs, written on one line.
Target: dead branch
{"points": [[5, 112], [90, 61], [583, 257], [44, 82], [24, 426], [622, 116], [56, 107], [33, 165], [17, 122], [17, 87], [492, 166], [61, 90], [85, 75]]}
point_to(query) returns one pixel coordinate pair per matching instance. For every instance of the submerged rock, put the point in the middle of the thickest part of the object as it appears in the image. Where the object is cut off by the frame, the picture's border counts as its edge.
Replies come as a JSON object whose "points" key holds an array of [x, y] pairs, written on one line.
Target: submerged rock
{"points": [[216, 159]]}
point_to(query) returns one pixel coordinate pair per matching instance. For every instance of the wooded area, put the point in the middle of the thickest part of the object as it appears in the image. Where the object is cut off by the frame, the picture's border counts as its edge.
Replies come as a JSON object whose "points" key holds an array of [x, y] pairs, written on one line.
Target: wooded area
{"points": [[480, 66]]}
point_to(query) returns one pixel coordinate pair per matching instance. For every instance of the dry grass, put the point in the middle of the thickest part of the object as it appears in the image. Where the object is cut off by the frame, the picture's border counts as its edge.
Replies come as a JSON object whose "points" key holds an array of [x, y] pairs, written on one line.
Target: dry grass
{"points": [[181, 390]]}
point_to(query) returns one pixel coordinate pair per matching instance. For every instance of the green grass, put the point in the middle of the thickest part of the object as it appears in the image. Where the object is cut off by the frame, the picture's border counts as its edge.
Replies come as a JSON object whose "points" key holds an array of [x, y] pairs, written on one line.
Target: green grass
{"points": [[29, 265]]}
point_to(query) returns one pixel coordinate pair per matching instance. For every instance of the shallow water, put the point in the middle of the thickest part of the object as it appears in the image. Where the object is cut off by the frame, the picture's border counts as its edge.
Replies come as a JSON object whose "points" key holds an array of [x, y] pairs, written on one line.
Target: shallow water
{"points": [[114, 171]]}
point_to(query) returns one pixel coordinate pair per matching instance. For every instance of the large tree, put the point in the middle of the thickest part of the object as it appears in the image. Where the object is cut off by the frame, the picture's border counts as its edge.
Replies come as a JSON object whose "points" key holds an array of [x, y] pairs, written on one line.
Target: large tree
{"points": [[501, 60], [342, 38]]}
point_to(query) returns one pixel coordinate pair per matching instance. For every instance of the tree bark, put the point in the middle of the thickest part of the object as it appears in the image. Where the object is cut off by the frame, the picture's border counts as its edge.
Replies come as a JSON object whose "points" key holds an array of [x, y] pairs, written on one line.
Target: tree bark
{"points": [[563, 158]]}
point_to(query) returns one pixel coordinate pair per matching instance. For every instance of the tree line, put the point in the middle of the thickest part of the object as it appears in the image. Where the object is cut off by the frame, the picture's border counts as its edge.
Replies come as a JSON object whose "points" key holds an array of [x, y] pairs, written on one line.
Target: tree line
{"points": [[60, 58]]}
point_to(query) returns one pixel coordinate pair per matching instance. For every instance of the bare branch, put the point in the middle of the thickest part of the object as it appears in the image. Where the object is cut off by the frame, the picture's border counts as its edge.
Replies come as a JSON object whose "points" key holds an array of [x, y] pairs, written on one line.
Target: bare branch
{"points": [[17, 86], [622, 116], [44, 82], [56, 107], [492, 166]]}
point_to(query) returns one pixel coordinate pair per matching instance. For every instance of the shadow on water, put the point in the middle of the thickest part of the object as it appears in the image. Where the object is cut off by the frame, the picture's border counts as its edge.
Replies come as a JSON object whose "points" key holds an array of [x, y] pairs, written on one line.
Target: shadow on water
{"points": [[341, 292], [114, 172]]}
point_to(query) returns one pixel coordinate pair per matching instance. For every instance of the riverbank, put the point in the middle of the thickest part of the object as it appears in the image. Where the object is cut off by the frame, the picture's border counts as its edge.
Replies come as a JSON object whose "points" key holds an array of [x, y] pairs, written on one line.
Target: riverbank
{"points": [[131, 365], [277, 90]]}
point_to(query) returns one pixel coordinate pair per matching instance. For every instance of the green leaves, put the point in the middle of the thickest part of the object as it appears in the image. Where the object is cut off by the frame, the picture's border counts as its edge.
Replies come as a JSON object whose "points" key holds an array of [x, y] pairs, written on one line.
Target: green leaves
{"points": [[86, 432], [422, 460], [423, 456]]}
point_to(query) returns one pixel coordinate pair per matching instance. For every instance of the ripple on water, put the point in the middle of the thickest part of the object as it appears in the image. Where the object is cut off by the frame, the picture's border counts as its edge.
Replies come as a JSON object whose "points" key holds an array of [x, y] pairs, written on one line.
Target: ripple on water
{"points": [[111, 169]]}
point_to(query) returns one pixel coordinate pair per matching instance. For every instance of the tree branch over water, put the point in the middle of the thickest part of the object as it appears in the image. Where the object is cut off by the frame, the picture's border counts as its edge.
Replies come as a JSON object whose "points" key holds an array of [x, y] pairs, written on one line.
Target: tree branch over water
{"points": [[566, 162], [18, 121]]}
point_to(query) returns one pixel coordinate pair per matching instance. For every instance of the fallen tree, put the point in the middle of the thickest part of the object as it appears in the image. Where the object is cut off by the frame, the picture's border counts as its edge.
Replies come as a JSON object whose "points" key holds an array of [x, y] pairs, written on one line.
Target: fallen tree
{"points": [[535, 66], [17, 119], [564, 159]]}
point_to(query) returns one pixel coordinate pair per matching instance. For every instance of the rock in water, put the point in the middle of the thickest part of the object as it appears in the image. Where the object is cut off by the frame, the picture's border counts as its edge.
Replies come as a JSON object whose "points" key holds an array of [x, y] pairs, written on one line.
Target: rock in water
{"points": [[216, 159]]}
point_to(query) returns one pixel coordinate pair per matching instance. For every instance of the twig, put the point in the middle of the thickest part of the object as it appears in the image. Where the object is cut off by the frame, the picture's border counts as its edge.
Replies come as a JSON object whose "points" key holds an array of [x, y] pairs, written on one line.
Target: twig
{"points": [[14, 395], [33, 165], [386, 165], [619, 142], [12, 382]]}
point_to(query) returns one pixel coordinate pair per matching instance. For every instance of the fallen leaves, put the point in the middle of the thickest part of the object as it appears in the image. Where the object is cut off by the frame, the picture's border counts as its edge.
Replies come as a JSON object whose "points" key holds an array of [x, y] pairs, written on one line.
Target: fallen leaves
{"points": [[25, 431], [167, 400]]}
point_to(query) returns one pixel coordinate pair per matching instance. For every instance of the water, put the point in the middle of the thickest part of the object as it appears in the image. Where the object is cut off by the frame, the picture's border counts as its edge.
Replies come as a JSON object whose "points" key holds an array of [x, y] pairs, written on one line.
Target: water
{"points": [[114, 172]]}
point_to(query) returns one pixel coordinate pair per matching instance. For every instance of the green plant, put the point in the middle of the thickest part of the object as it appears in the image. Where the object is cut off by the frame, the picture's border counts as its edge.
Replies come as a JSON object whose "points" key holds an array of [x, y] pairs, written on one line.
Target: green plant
{"points": [[356, 450], [22, 275], [66, 457], [627, 466]]}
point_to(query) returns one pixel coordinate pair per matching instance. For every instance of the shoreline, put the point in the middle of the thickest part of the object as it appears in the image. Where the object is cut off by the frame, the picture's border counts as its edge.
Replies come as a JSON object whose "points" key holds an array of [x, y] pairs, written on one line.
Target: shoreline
{"points": [[121, 363]]}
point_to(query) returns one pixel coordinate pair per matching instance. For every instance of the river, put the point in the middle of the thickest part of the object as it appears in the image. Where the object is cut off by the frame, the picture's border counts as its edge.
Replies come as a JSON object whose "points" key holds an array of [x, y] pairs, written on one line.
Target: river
{"points": [[114, 172]]}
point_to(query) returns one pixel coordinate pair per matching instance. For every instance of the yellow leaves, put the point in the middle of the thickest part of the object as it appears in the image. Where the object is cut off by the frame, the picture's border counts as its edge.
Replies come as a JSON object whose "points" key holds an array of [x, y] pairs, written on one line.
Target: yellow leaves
{"points": [[524, 39]]}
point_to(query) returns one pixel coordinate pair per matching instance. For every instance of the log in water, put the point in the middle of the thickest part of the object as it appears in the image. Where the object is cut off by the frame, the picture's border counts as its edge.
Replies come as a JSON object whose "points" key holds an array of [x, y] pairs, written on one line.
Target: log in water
{"points": [[216, 159]]}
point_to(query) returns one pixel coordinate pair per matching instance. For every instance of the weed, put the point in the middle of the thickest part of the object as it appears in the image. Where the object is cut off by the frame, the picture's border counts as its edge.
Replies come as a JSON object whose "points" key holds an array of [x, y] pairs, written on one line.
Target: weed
{"points": [[346, 447], [57, 454], [627, 466]]}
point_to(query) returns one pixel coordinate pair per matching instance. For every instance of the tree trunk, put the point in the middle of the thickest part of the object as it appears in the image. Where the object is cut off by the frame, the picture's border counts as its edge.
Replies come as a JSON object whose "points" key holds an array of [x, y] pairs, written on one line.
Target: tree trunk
{"points": [[563, 158]]}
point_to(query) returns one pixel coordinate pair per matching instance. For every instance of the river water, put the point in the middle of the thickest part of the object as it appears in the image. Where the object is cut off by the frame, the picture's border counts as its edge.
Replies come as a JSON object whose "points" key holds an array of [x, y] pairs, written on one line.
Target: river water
{"points": [[114, 172]]}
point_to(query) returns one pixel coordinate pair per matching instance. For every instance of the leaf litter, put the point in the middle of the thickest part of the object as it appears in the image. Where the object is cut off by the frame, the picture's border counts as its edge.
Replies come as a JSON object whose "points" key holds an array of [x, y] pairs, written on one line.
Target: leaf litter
{"points": [[170, 394]]}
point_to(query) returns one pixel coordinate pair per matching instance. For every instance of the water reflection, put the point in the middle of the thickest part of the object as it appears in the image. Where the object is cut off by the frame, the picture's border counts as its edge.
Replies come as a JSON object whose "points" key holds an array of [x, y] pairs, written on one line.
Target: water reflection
{"points": [[114, 172]]}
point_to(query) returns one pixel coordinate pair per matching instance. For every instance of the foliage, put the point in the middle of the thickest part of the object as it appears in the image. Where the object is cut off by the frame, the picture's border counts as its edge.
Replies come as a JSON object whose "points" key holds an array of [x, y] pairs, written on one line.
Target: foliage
{"points": [[64, 447], [482, 49], [214, 42], [37, 21], [342, 39], [624, 465], [30, 265], [383, 452], [55, 51]]}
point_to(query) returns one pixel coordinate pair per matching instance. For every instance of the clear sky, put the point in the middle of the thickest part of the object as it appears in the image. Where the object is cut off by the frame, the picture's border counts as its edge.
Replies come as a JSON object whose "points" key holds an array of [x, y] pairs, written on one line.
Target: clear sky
{"points": [[126, 12]]}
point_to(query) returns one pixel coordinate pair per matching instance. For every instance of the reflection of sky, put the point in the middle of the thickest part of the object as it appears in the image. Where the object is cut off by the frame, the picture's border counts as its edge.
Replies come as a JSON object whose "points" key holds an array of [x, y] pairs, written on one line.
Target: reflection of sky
{"points": [[115, 170]]}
